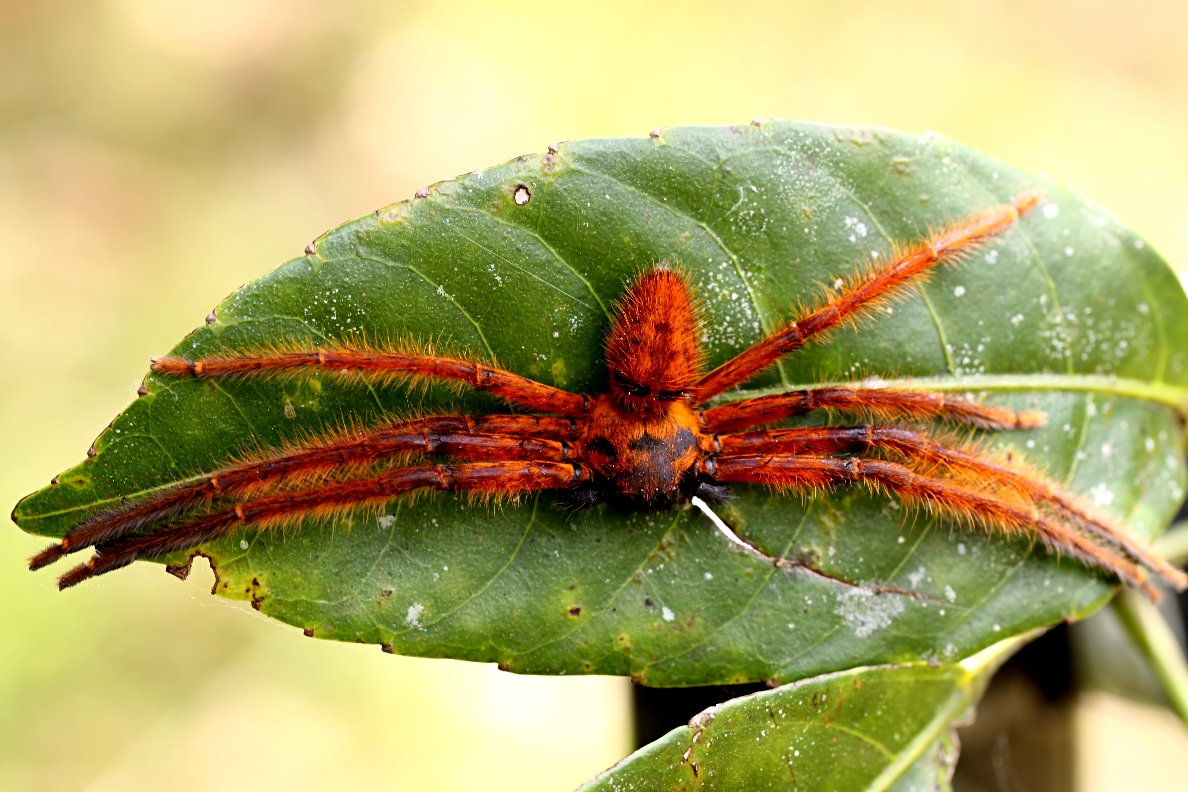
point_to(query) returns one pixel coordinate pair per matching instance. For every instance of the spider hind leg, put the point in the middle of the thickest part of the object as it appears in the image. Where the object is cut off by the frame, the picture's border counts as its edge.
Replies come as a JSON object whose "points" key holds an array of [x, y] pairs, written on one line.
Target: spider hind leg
{"points": [[964, 500], [506, 478]]}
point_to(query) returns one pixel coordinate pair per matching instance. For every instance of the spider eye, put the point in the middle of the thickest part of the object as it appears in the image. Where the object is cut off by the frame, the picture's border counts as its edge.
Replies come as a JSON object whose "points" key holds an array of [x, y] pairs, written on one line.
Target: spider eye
{"points": [[633, 388]]}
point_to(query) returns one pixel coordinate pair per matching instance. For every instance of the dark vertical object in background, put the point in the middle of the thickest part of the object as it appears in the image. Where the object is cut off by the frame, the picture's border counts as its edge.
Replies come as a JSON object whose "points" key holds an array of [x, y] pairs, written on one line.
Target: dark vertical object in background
{"points": [[657, 711]]}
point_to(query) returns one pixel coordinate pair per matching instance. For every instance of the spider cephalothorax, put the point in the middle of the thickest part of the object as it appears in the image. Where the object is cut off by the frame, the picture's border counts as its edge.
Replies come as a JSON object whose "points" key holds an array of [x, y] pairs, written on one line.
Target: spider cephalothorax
{"points": [[648, 441]]}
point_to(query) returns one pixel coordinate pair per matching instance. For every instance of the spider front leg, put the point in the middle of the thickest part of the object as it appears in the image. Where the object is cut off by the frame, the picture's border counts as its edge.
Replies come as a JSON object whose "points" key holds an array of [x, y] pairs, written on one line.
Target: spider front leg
{"points": [[480, 437], [505, 478], [1001, 511], [378, 363], [863, 293]]}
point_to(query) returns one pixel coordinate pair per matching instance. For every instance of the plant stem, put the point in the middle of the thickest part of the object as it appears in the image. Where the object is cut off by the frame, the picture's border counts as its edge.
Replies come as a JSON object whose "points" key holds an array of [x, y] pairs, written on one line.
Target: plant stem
{"points": [[1155, 640], [1173, 545]]}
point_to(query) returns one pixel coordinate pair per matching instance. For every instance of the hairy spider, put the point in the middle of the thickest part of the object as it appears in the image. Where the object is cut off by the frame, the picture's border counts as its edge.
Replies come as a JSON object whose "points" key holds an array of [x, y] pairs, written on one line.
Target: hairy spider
{"points": [[647, 442]]}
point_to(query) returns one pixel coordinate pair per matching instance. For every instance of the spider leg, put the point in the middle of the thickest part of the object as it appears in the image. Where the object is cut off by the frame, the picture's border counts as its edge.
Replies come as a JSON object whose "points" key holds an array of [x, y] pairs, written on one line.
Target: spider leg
{"points": [[967, 464], [492, 478], [382, 364], [994, 511], [874, 401], [480, 437], [865, 292]]}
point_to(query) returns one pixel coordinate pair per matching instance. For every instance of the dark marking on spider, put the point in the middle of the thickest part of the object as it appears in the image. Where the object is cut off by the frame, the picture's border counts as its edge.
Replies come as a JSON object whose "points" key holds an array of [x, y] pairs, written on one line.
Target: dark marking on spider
{"points": [[649, 441]]}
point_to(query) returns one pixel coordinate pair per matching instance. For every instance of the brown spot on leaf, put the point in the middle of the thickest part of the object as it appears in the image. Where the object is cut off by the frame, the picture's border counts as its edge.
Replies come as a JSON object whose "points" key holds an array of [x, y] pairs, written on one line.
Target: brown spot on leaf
{"points": [[308, 632], [388, 648], [522, 195]]}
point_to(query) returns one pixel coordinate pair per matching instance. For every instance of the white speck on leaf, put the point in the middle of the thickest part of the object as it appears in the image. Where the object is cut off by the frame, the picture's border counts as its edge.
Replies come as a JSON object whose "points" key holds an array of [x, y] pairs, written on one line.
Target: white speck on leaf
{"points": [[918, 576], [866, 611], [1101, 495]]}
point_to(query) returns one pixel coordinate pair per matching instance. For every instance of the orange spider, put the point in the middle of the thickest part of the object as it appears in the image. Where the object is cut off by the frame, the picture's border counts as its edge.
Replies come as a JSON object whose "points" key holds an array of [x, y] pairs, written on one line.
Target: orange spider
{"points": [[647, 442]]}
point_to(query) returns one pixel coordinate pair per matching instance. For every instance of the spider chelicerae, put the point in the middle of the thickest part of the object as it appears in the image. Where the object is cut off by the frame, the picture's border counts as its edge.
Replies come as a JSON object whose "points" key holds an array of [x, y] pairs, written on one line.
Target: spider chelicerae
{"points": [[647, 442]]}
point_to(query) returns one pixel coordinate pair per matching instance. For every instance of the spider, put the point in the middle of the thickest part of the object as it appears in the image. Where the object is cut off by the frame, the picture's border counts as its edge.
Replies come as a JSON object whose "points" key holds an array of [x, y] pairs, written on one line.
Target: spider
{"points": [[649, 441]]}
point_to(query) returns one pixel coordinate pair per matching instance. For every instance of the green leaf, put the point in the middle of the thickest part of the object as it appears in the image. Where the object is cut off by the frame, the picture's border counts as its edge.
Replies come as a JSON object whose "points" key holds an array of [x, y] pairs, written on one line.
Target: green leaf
{"points": [[1068, 313], [891, 724]]}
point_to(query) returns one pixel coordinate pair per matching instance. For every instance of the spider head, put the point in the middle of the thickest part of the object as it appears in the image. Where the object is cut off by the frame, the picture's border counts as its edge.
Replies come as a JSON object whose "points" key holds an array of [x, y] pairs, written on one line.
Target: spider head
{"points": [[652, 353]]}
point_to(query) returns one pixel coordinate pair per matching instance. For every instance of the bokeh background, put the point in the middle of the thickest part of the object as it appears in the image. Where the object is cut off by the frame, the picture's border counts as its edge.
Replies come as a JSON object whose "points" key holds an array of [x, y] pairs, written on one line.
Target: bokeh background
{"points": [[154, 154]]}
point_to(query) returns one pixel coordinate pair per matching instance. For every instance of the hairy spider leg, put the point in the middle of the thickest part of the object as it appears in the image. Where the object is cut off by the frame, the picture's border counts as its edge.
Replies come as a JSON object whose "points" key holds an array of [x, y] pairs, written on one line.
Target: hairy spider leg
{"points": [[953, 498], [865, 292], [380, 364], [968, 464], [492, 478], [883, 402], [478, 437]]}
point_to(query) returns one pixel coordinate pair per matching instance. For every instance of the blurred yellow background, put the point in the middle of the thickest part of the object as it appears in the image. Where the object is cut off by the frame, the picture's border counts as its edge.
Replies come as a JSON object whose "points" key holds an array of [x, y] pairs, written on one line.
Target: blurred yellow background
{"points": [[154, 154]]}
